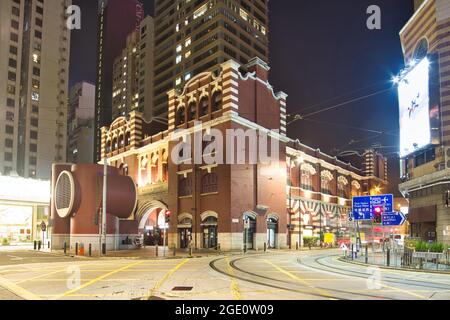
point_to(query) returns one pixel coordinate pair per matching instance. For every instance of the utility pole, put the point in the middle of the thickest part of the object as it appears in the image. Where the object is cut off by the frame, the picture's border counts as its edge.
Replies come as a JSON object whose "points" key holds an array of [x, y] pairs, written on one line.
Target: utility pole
{"points": [[105, 181]]}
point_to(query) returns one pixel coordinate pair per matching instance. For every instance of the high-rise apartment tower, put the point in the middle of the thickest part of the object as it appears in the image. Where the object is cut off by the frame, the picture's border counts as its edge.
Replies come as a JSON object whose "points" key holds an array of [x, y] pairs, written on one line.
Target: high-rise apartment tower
{"points": [[194, 36], [34, 64]]}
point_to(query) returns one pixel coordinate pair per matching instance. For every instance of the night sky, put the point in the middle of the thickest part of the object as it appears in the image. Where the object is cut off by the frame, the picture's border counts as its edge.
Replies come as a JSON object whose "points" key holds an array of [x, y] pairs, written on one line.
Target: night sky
{"points": [[321, 55]]}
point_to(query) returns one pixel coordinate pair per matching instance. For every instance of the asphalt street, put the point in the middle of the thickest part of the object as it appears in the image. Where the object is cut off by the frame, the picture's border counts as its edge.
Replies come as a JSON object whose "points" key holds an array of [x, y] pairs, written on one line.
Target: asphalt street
{"points": [[306, 275]]}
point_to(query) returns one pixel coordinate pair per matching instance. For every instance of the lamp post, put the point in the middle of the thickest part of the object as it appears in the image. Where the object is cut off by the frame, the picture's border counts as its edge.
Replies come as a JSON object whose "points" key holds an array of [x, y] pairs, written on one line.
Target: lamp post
{"points": [[299, 161]]}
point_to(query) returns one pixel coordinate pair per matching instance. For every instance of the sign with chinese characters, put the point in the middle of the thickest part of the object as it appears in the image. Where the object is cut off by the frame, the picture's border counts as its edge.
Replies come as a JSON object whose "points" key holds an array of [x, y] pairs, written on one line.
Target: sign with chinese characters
{"points": [[363, 207]]}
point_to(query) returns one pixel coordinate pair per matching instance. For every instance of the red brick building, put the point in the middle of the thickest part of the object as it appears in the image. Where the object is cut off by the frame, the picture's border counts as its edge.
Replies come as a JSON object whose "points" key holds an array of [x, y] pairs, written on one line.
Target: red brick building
{"points": [[264, 203]]}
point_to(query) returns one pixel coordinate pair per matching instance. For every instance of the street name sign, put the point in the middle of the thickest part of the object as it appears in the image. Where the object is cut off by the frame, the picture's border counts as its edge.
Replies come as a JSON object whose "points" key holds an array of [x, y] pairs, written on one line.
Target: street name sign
{"points": [[393, 219], [364, 206]]}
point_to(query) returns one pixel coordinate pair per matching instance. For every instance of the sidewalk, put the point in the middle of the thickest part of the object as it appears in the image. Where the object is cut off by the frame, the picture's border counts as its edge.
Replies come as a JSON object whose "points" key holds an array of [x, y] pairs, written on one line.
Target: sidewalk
{"points": [[379, 259]]}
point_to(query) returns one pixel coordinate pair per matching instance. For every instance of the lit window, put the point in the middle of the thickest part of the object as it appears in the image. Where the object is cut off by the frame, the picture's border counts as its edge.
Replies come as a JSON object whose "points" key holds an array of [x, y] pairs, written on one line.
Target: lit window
{"points": [[178, 81], [35, 58], [34, 96], [178, 59], [187, 76], [188, 42], [187, 54], [179, 47], [177, 27], [244, 14], [200, 11]]}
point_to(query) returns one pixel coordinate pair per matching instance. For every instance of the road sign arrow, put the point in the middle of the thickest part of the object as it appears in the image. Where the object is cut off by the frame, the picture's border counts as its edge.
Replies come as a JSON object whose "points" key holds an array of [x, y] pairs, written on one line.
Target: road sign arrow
{"points": [[393, 218]]}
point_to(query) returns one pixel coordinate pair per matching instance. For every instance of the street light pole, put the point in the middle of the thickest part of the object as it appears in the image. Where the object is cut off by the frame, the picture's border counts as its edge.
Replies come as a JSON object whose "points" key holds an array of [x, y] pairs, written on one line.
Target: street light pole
{"points": [[105, 181]]}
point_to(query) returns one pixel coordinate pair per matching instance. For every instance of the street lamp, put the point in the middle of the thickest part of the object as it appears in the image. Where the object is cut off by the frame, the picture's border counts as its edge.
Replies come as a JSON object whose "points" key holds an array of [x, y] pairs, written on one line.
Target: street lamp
{"points": [[299, 160]]}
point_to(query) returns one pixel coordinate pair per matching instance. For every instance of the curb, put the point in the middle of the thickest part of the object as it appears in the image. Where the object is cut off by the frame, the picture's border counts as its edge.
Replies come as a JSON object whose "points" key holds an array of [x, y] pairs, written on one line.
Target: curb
{"points": [[392, 268]]}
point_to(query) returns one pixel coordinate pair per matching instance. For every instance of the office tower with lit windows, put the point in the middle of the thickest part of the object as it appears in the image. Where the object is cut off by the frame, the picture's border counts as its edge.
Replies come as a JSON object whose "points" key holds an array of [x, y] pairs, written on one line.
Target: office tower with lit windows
{"points": [[116, 20], [195, 36], [81, 116], [34, 61], [133, 73]]}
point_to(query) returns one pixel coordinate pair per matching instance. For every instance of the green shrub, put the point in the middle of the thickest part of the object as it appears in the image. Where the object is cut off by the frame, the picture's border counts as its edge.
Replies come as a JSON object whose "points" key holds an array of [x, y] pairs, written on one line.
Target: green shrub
{"points": [[437, 247], [421, 246], [5, 242], [310, 241]]}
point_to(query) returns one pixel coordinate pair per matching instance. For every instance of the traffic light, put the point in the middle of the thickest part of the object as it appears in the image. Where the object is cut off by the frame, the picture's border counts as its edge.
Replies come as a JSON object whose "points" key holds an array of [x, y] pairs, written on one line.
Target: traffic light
{"points": [[168, 213], [377, 213]]}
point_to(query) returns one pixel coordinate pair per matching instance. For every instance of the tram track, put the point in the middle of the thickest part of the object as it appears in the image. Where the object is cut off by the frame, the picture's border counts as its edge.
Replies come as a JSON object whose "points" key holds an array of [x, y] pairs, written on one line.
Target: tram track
{"points": [[337, 294], [364, 275]]}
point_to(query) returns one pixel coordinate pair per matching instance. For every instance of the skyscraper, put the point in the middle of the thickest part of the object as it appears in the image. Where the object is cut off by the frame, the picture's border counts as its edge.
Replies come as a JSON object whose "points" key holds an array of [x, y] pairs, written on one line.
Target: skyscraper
{"points": [[34, 59], [116, 20], [133, 73], [192, 37], [81, 113]]}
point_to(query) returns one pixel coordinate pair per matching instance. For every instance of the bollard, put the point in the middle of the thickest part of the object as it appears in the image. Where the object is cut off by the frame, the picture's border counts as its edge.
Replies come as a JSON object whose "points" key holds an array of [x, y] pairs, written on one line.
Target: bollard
{"points": [[39, 245], [81, 249], [48, 244], [65, 247], [265, 247], [388, 257], [76, 248], [218, 247], [35, 244], [174, 250], [90, 250], [296, 246], [367, 255], [190, 251], [156, 250]]}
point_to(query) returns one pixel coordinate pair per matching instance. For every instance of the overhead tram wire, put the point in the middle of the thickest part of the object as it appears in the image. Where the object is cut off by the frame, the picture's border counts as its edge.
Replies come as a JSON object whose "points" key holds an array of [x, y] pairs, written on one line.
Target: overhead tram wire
{"points": [[343, 95]]}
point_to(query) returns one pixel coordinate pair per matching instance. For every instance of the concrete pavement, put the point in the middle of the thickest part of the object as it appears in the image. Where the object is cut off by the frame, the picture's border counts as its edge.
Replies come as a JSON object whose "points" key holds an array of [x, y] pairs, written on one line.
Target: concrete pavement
{"points": [[305, 275]]}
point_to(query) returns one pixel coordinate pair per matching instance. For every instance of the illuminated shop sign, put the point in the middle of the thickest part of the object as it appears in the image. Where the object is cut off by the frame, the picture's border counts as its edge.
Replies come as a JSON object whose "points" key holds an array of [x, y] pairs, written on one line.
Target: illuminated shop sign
{"points": [[414, 103], [419, 96]]}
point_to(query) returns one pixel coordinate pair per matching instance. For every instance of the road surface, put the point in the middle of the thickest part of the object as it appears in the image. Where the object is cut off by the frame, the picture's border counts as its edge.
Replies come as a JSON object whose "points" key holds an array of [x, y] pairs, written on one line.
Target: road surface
{"points": [[306, 275]]}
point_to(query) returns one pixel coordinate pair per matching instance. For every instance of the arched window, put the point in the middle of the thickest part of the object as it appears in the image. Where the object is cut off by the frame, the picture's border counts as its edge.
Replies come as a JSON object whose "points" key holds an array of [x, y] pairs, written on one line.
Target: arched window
{"points": [[209, 183], [342, 187], [185, 187], [204, 106], [108, 146], [421, 49], [121, 141], [192, 111], [181, 116], [114, 144], [217, 101], [306, 180], [127, 139], [342, 191], [325, 185]]}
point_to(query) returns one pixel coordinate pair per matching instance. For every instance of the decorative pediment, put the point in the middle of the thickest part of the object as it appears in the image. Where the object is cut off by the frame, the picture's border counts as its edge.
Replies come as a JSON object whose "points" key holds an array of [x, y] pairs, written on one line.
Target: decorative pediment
{"points": [[356, 185], [326, 174], [342, 180], [309, 168]]}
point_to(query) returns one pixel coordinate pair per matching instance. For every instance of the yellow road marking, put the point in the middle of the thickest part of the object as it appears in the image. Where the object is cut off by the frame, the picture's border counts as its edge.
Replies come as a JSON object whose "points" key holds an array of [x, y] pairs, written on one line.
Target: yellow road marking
{"points": [[166, 276], [293, 276], [235, 291], [98, 279], [21, 292]]}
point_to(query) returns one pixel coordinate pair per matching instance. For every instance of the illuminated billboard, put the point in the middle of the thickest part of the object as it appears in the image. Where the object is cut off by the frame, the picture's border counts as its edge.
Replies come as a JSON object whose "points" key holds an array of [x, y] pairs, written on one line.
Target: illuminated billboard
{"points": [[414, 103]]}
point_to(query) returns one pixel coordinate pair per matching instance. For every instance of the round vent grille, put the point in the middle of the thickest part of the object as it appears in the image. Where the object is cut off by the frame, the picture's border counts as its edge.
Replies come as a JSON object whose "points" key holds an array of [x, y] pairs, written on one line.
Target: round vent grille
{"points": [[64, 194]]}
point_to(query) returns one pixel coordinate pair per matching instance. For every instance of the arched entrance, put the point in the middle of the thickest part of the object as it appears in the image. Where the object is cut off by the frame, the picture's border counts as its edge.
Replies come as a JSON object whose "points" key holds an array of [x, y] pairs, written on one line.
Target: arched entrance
{"points": [[185, 229], [249, 230], [152, 223], [209, 228], [272, 231]]}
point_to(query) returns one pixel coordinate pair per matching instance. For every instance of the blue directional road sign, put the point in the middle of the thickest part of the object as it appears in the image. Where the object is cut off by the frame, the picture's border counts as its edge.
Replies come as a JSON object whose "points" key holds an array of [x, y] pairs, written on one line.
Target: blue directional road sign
{"points": [[363, 207], [393, 218]]}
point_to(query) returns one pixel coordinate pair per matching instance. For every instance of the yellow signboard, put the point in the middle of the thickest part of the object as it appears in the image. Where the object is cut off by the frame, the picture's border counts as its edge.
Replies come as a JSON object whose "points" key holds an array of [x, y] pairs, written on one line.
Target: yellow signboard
{"points": [[329, 238]]}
